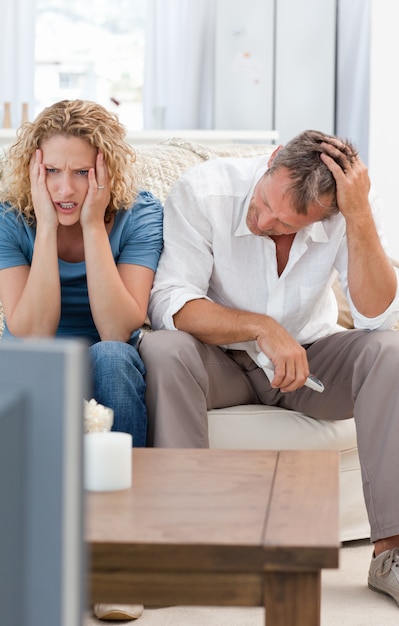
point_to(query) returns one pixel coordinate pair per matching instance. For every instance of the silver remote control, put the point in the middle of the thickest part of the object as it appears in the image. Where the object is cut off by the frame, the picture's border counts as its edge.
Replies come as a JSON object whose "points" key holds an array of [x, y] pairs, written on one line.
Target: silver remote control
{"points": [[265, 363]]}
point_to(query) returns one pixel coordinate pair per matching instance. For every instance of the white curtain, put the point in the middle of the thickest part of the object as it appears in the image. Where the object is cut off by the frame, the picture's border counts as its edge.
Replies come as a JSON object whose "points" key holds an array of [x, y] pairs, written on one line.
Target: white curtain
{"points": [[353, 73], [179, 80], [178, 76], [17, 56]]}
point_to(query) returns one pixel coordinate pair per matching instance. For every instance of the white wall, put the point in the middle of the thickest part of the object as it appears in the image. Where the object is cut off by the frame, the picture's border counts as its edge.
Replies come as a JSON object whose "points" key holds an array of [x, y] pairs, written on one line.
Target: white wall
{"points": [[384, 113]]}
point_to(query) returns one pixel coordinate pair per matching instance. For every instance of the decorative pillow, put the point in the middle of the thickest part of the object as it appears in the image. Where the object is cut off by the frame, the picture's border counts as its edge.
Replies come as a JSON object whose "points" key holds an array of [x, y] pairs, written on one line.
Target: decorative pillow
{"points": [[159, 165]]}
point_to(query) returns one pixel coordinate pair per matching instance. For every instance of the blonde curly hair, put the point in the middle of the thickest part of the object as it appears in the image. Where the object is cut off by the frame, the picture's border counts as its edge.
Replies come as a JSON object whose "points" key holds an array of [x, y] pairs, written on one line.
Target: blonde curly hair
{"points": [[76, 118]]}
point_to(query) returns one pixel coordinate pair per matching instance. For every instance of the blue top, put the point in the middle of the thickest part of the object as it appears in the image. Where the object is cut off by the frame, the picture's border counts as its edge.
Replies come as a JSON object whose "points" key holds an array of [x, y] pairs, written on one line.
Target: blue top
{"points": [[135, 238]]}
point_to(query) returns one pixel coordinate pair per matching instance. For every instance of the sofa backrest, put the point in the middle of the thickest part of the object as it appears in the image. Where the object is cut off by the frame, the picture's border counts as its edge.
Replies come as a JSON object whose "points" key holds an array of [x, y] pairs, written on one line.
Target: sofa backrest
{"points": [[158, 166]]}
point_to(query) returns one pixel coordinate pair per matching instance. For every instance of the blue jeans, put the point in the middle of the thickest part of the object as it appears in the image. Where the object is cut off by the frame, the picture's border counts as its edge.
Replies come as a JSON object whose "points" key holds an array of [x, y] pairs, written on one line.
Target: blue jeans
{"points": [[118, 382]]}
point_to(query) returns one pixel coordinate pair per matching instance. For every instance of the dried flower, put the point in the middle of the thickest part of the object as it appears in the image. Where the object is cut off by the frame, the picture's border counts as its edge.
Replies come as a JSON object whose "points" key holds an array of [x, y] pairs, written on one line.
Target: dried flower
{"points": [[97, 418]]}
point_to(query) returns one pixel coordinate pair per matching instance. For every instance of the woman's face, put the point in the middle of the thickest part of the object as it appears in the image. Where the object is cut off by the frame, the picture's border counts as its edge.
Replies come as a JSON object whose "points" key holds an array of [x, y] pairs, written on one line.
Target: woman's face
{"points": [[67, 161]]}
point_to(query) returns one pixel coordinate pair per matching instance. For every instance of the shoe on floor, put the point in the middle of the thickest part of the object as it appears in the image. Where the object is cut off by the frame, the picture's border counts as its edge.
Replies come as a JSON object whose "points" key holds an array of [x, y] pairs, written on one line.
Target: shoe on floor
{"points": [[118, 612], [384, 573]]}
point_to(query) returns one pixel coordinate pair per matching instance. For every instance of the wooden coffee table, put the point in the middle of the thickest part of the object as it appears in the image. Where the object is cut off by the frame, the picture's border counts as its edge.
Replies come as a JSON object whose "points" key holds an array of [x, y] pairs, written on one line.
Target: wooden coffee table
{"points": [[217, 528]]}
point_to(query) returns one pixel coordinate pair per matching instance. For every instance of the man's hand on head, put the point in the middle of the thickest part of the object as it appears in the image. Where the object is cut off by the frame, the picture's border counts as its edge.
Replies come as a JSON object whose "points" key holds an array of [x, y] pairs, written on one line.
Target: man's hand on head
{"points": [[351, 177]]}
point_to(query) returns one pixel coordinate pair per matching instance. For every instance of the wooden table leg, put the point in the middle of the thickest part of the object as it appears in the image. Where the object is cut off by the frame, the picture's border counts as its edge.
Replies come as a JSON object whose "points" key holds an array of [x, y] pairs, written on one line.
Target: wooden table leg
{"points": [[292, 599]]}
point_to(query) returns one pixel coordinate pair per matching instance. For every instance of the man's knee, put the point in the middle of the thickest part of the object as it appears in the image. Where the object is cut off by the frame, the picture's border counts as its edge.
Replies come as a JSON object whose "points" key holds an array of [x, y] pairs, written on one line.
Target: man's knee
{"points": [[165, 345], [382, 343]]}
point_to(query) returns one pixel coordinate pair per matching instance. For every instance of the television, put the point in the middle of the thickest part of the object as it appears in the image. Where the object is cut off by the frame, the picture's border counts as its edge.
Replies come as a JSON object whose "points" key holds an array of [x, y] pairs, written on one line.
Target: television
{"points": [[42, 556]]}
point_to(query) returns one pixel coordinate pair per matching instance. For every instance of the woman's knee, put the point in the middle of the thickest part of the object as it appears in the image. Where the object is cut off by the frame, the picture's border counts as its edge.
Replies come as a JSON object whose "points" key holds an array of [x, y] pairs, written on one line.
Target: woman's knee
{"points": [[116, 355]]}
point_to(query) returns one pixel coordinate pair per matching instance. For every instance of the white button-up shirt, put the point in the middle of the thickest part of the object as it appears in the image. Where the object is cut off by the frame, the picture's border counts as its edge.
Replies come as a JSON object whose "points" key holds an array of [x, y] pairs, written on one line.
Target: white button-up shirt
{"points": [[209, 252]]}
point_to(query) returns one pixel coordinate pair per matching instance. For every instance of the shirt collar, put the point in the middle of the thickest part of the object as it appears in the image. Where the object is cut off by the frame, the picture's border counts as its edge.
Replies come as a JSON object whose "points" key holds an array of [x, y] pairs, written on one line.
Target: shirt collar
{"points": [[317, 232]]}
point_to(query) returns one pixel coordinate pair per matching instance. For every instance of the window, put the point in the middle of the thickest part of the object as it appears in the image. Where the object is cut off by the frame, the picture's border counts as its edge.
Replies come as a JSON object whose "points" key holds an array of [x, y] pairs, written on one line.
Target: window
{"points": [[92, 50]]}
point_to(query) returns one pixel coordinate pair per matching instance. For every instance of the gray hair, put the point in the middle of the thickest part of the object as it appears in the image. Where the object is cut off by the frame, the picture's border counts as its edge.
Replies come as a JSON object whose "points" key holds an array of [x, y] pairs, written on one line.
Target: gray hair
{"points": [[311, 178]]}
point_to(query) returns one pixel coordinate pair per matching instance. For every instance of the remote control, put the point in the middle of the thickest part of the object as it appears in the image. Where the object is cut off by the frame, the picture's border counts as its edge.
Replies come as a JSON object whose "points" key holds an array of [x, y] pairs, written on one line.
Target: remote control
{"points": [[265, 363]]}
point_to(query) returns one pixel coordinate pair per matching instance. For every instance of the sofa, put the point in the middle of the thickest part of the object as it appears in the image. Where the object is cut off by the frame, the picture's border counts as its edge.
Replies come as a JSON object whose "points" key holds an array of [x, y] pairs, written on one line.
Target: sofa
{"points": [[258, 426]]}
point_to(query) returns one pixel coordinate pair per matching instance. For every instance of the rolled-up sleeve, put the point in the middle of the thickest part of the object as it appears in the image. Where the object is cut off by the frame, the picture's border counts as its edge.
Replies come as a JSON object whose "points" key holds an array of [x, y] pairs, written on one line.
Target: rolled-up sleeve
{"points": [[186, 261]]}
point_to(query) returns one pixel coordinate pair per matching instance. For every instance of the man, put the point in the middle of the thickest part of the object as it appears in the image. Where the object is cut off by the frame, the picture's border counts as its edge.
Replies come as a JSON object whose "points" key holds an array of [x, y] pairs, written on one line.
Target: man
{"points": [[252, 247]]}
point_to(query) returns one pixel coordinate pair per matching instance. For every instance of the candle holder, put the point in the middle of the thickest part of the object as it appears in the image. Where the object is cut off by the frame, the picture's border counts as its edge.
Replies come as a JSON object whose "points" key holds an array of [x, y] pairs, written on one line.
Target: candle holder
{"points": [[107, 461], [107, 455]]}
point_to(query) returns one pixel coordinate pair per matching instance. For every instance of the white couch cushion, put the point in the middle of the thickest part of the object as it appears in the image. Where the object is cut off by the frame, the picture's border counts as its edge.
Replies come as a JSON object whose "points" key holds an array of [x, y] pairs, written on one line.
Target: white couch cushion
{"points": [[267, 427]]}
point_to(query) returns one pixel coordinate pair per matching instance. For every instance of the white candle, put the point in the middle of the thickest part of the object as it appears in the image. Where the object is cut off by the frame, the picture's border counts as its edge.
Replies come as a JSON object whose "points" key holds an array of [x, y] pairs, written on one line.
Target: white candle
{"points": [[107, 461]]}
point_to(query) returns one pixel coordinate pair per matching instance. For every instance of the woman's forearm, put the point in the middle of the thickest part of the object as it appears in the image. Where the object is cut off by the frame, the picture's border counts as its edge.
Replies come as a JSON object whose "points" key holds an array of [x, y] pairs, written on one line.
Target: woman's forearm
{"points": [[116, 309], [35, 308]]}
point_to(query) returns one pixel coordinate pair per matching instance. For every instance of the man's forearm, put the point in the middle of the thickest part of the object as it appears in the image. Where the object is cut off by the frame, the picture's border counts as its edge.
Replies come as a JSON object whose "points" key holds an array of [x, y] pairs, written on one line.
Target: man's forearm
{"points": [[371, 276], [218, 325]]}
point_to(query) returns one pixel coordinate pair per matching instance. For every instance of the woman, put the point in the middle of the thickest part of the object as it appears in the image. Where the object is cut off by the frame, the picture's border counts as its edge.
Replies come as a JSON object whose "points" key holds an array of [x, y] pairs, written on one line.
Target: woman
{"points": [[79, 246]]}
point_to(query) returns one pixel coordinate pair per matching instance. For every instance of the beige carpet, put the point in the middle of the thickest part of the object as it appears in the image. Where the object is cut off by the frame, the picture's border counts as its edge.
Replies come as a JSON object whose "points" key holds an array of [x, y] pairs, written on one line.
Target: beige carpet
{"points": [[346, 601]]}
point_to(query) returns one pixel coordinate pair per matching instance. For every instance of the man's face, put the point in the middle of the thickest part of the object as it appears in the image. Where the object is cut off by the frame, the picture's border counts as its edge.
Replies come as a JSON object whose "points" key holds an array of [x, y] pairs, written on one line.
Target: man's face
{"points": [[270, 211]]}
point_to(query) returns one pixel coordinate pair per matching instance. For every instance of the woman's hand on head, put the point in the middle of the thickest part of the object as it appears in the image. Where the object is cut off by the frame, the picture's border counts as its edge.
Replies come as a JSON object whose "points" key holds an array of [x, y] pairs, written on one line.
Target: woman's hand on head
{"points": [[98, 194], [44, 209]]}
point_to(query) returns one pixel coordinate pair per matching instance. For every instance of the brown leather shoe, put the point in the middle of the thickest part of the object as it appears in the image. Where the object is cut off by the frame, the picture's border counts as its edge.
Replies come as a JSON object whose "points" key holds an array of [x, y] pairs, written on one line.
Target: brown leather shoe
{"points": [[118, 612]]}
